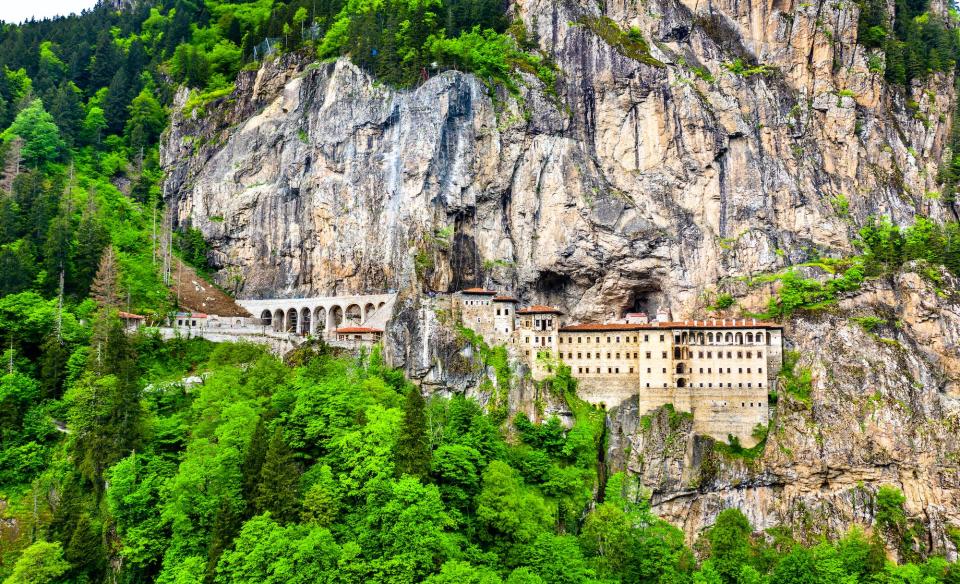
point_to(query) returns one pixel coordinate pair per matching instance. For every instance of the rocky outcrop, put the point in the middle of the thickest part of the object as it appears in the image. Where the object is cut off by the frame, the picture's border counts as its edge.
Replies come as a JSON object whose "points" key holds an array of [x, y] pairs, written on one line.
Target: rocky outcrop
{"points": [[882, 410], [640, 184]]}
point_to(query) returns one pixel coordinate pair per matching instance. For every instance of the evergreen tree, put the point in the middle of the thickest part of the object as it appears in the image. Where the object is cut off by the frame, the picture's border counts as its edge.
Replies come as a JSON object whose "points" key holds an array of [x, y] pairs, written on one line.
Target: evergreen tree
{"points": [[92, 240], [106, 61], [412, 452], [226, 526], [279, 482], [321, 504], [253, 465], [53, 366], [85, 551]]}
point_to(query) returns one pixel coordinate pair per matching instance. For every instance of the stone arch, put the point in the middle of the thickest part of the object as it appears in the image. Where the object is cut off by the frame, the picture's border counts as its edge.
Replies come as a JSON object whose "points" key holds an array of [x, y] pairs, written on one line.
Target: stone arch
{"points": [[739, 338], [320, 320], [353, 314], [700, 338], [266, 318], [768, 338], [710, 338], [677, 354], [305, 321], [729, 338], [278, 320], [680, 368], [381, 305], [368, 310], [749, 338], [681, 382], [291, 321], [335, 317]]}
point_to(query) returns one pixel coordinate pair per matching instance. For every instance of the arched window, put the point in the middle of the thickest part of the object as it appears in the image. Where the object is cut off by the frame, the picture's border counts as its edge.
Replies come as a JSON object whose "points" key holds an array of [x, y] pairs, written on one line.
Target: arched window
{"points": [[749, 338], [320, 320], [291, 320], [278, 320], [680, 368], [368, 310], [336, 317], [266, 318], [729, 338], [353, 315], [739, 338], [305, 321], [681, 382], [700, 338], [710, 338]]}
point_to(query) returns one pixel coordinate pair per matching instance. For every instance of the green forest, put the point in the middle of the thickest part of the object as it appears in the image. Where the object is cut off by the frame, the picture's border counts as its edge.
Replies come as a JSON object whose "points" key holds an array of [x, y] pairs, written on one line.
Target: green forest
{"points": [[326, 467]]}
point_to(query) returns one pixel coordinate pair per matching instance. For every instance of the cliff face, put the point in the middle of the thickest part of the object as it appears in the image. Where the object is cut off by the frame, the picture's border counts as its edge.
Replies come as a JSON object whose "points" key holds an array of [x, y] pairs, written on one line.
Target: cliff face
{"points": [[640, 185]]}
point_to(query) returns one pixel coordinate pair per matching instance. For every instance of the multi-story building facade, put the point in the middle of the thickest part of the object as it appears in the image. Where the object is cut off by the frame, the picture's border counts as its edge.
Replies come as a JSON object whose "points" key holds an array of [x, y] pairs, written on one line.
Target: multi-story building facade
{"points": [[721, 370]]}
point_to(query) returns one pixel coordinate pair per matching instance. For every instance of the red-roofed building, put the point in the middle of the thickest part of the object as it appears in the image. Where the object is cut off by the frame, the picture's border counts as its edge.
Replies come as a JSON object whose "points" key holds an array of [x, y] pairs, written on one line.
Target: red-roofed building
{"points": [[357, 335], [131, 321]]}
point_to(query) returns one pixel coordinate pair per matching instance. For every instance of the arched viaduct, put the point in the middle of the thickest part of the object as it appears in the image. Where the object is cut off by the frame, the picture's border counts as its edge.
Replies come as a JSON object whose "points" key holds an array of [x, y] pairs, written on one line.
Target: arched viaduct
{"points": [[321, 316]]}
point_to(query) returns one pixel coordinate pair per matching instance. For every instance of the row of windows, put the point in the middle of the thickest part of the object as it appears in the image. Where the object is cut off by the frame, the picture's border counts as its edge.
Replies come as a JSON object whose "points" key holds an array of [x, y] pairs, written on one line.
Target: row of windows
{"points": [[729, 338], [627, 339], [506, 311], [477, 302], [648, 354], [710, 384], [614, 370]]}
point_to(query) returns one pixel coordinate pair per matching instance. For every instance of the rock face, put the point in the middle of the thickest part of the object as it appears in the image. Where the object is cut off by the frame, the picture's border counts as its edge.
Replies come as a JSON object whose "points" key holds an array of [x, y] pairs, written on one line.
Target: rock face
{"points": [[639, 185]]}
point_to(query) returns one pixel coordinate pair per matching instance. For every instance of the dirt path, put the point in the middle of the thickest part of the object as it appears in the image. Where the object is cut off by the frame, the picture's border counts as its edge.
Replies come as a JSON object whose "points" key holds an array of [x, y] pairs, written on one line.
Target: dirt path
{"points": [[198, 295]]}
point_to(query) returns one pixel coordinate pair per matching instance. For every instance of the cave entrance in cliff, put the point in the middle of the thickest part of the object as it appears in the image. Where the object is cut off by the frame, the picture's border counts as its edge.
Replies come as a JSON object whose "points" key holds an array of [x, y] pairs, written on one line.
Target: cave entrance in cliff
{"points": [[266, 318], [292, 320], [354, 315], [320, 320], [305, 322], [646, 298], [278, 321]]}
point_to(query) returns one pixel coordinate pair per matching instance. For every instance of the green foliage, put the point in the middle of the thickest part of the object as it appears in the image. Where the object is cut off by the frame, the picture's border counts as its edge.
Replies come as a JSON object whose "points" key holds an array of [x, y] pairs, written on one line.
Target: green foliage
{"points": [[41, 563], [40, 135], [794, 380], [723, 302], [741, 68], [412, 448], [629, 43]]}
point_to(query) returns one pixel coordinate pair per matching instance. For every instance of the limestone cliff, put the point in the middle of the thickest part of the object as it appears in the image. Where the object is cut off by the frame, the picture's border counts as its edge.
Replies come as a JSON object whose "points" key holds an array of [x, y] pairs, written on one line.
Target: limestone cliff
{"points": [[642, 182]]}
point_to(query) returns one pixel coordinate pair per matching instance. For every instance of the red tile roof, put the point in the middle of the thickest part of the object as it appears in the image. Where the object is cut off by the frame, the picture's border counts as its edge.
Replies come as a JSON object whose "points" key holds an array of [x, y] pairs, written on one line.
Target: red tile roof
{"points": [[130, 316], [505, 299], [483, 291], [358, 329], [539, 309]]}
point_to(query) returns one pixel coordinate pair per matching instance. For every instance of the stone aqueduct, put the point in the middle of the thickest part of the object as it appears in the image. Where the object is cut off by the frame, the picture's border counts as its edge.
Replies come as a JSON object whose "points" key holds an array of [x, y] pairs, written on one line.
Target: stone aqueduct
{"points": [[321, 316]]}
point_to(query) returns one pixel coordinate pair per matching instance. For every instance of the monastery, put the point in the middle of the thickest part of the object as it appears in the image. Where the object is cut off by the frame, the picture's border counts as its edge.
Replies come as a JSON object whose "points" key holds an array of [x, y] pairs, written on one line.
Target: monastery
{"points": [[720, 370]]}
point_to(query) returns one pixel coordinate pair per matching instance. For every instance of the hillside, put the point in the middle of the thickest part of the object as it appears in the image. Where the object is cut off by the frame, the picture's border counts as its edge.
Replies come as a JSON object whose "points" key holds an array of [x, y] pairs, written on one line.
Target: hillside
{"points": [[789, 162]]}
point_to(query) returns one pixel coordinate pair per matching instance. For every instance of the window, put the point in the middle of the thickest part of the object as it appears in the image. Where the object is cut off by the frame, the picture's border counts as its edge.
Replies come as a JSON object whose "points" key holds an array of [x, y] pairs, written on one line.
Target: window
{"points": [[759, 354], [760, 384], [588, 339], [748, 370], [646, 339], [506, 311], [498, 312], [635, 355], [701, 370], [560, 340], [709, 385], [664, 384], [609, 369], [618, 355], [648, 385], [579, 355], [709, 354], [664, 354], [528, 353], [598, 370], [729, 355], [740, 370], [526, 339], [750, 385], [608, 339], [631, 370], [588, 355], [661, 338], [709, 370], [749, 355], [536, 340], [759, 369], [648, 370], [608, 355], [739, 354], [648, 354], [598, 339], [579, 369], [699, 354], [618, 339], [719, 354], [664, 370]]}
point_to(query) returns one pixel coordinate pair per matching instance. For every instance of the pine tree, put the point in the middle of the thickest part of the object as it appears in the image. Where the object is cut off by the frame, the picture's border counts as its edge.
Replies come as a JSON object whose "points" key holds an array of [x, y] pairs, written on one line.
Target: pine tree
{"points": [[412, 453], [226, 526], [53, 366], [85, 551], [106, 284], [279, 481], [321, 504], [253, 465]]}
